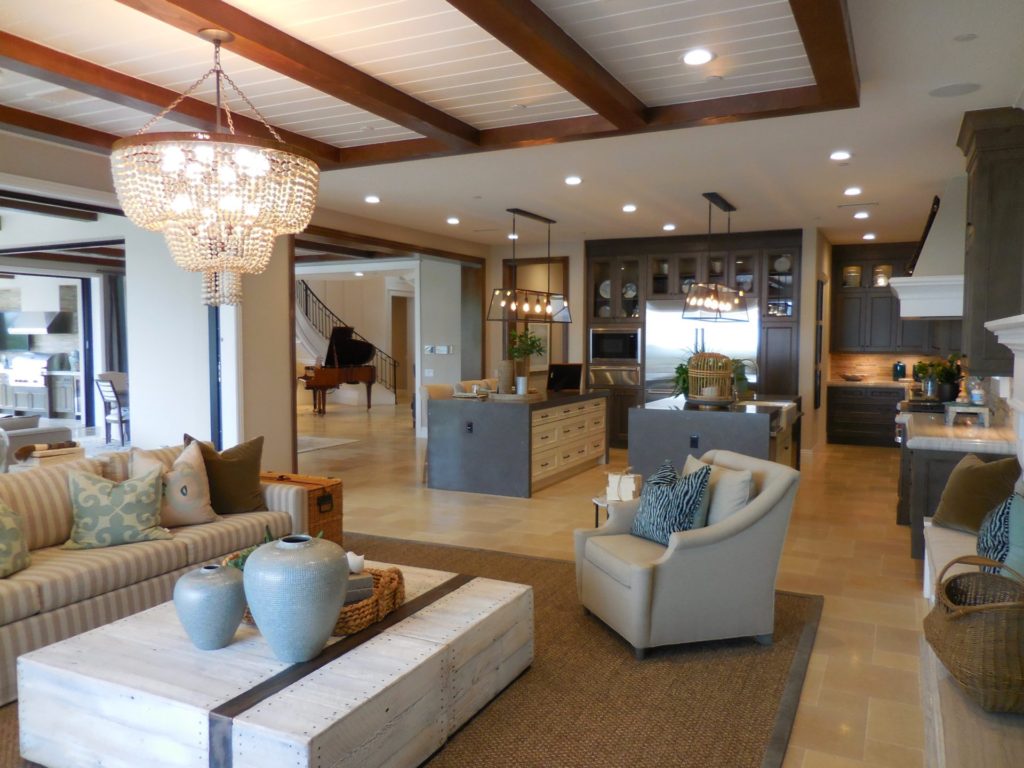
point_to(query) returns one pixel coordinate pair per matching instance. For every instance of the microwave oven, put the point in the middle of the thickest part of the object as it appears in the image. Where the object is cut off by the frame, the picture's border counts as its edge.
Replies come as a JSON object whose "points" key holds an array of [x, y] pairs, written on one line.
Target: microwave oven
{"points": [[615, 345]]}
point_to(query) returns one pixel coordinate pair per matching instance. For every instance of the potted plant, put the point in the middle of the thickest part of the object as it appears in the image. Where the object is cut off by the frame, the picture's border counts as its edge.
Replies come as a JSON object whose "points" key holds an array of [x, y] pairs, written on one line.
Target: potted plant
{"points": [[682, 380], [522, 345], [941, 378]]}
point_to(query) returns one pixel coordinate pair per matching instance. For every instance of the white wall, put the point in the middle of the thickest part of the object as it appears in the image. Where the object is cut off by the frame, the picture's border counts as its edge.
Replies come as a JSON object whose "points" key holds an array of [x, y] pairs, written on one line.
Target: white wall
{"points": [[359, 302], [439, 309]]}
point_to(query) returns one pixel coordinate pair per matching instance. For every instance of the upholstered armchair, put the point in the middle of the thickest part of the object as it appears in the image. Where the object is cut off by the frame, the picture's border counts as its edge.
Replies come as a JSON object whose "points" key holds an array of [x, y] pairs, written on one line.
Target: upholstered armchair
{"points": [[709, 583]]}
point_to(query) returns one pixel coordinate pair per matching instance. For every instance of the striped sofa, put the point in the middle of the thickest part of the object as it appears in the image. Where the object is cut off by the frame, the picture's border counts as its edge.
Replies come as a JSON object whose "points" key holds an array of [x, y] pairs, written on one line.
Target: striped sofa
{"points": [[65, 592]]}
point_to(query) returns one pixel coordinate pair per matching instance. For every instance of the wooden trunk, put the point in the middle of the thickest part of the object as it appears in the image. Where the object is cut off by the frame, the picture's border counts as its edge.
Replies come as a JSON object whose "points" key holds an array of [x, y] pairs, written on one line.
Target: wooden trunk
{"points": [[324, 498]]}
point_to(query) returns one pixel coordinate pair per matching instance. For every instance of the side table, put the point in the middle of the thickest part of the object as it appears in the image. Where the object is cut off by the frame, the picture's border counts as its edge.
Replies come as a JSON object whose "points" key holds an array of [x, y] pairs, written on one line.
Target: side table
{"points": [[600, 502]]}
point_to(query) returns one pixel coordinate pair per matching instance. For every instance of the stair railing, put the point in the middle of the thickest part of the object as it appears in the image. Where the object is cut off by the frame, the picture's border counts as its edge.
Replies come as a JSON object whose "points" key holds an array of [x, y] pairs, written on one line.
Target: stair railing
{"points": [[324, 320]]}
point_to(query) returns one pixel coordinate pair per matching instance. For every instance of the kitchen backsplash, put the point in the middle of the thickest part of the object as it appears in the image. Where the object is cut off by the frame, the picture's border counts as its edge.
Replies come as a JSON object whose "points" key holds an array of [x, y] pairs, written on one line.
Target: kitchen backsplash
{"points": [[877, 366]]}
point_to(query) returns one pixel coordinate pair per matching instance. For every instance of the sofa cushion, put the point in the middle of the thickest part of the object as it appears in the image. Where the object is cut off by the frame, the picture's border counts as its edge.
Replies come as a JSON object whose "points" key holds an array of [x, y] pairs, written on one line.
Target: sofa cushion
{"points": [[231, 533], [615, 554], [109, 514], [974, 487], [66, 576], [186, 491], [42, 497], [669, 504], [234, 476], [13, 547], [728, 489], [10, 423]]}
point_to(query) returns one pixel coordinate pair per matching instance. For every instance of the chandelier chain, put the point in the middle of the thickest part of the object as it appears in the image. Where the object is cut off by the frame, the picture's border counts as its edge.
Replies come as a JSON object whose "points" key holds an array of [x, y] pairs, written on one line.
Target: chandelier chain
{"points": [[184, 95], [268, 126]]}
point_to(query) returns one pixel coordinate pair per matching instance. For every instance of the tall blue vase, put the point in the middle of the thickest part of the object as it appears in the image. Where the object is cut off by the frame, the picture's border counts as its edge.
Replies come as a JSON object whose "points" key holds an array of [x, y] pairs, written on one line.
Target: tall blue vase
{"points": [[296, 588], [210, 602]]}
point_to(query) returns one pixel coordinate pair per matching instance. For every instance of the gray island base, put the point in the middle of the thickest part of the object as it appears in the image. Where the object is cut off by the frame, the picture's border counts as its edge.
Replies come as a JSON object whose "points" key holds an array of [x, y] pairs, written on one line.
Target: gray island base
{"points": [[514, 448]]}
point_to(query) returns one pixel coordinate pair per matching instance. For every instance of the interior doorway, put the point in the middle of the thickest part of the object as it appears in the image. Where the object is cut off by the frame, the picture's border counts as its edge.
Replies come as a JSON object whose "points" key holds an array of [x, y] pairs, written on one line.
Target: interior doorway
{"points": [[403, 339]]}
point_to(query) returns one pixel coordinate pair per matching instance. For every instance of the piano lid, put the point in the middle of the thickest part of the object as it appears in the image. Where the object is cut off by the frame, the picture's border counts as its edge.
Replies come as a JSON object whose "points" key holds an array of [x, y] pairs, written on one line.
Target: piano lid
{"points": [[343, 350]]}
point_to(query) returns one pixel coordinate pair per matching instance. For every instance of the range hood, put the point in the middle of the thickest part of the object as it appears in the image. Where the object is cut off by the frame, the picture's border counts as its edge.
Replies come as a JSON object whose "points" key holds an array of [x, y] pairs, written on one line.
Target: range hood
{"points": [[38, 323], [935, 287]]}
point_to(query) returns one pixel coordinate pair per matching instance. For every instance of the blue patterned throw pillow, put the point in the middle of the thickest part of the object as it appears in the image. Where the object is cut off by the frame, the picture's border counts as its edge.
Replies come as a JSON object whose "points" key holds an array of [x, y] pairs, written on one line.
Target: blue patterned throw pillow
{"points": [[1001, 536], [669, 503], [13, 542]]}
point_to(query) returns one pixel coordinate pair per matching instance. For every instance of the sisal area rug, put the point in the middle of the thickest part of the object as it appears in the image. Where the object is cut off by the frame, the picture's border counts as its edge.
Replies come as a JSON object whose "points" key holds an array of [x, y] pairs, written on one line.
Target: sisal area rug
{"points": [[586, 701]]}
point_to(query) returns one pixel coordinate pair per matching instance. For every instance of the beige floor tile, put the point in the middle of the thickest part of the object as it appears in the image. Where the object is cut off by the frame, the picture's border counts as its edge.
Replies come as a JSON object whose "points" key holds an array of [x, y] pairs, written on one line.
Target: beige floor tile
{"points": [[891, 722], [815, 759], [836, 725], [866, 679], [898, 640], [877, 753]]}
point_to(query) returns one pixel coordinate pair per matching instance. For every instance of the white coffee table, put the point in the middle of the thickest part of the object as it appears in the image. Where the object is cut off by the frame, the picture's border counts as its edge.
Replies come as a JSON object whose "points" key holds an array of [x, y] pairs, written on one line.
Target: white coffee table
{"points": [[136, 692]]}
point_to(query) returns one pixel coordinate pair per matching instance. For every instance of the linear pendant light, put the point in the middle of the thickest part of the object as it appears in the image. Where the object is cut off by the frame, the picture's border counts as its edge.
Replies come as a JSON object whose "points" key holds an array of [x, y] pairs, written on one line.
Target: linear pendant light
{"points": [[713, 302], [514, 304]]}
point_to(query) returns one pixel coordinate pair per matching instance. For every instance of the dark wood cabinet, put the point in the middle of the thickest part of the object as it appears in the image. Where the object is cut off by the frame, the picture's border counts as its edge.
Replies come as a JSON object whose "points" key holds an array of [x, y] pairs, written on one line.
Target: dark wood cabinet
{"points": [[780, 345], [620, 400], [865, 312], [992, 140], [863, 415], [615, 285]]}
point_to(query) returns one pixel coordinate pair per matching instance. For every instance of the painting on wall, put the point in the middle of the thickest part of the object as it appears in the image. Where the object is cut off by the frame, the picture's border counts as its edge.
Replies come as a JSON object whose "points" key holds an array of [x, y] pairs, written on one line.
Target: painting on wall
{"points": [[539, 362]]}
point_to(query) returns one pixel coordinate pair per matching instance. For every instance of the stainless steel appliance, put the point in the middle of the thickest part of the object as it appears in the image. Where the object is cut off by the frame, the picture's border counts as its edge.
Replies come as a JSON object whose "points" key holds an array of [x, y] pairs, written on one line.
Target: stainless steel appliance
{"points": [[615, 346], [670, 339], [613, 376]]}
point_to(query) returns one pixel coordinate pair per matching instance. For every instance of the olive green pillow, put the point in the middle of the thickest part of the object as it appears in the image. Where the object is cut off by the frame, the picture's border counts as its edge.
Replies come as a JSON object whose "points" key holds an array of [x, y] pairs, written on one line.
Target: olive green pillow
{"points": [[13, 542], [107, 513], [234, 476], [975, 487]]}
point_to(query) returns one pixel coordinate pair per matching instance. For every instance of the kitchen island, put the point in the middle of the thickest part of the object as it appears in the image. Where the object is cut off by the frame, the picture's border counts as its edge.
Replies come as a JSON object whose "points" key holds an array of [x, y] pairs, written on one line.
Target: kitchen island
{"points": [[764, 427], [514, 448]]}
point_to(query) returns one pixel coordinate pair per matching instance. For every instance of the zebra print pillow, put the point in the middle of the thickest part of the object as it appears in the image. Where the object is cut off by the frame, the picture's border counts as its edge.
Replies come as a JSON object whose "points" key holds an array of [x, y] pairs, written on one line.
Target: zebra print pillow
{"points": [[669, 503], [1001, 536]]}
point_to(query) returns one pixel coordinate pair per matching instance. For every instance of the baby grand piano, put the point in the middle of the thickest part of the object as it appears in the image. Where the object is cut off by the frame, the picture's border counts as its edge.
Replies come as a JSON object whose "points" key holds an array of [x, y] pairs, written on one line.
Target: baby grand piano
{"points": [[346, 362]]}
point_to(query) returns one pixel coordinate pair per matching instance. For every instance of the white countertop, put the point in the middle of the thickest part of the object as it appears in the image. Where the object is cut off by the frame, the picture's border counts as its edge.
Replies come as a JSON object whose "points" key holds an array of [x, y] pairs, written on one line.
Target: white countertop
{"points": [[888, 383], [928, 431]]}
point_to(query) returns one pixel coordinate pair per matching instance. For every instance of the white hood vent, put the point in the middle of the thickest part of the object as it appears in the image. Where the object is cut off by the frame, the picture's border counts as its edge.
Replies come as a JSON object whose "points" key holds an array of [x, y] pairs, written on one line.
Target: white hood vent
{"points": [[936, 287]]}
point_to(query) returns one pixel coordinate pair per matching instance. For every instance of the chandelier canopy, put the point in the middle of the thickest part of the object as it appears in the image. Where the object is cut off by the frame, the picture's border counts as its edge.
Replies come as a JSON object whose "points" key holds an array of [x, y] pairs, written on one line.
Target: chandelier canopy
{"points": [[219, 198]]}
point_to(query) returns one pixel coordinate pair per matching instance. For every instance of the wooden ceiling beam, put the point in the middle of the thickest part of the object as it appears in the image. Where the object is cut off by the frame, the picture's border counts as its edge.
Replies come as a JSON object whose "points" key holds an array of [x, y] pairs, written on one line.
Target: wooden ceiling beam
{"points": [[534, 37], [271, 48], [824, 27], [52, 66], [40, 126]]}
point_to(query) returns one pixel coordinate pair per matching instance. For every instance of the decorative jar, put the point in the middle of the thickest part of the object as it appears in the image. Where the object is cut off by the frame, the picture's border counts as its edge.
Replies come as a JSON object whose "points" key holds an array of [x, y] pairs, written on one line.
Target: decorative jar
{"points": [[210, 602], [296, 589]]}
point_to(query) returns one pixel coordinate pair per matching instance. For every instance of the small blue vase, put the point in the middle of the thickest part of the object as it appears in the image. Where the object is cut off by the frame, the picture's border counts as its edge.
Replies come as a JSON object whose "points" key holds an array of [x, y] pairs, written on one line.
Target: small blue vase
{"points": [[210, 602], [296, 587]]}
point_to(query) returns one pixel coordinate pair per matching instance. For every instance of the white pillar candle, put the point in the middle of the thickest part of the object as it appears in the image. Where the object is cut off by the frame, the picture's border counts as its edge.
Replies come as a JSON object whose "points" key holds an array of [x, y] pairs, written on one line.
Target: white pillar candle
{"points": [[355, 562]]}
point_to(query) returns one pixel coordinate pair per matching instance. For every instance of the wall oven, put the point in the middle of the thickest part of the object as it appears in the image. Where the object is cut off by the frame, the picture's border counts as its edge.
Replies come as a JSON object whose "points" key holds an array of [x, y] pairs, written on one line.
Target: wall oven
{"points": [[615, 346]]}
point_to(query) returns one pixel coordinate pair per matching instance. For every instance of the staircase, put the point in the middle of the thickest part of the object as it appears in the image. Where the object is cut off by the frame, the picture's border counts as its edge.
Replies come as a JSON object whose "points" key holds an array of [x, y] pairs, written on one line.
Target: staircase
{"points": [[322, 320]]}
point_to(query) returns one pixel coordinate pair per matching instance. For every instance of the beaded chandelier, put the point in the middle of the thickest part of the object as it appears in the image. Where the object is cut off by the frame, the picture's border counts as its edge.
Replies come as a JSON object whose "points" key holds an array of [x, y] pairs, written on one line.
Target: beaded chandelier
{"points": [[219, 198]]}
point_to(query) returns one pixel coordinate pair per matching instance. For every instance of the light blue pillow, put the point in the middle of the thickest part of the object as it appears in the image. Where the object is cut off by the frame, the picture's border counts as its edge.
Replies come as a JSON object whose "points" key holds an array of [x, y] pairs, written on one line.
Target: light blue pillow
{"points": [[107, 513], [14, 555], [1001, 535], [669, 503]]}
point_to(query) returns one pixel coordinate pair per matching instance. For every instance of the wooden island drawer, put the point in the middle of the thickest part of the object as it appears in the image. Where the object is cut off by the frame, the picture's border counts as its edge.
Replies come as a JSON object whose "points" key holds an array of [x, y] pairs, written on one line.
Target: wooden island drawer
{"points": [[544, 437], [544, 463], [570, 429]]}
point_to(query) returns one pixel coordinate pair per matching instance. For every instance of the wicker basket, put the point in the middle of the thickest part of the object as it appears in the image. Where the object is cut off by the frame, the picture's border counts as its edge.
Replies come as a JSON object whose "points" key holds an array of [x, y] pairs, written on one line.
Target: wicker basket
{"points": [[977, 631], [710, 371]]}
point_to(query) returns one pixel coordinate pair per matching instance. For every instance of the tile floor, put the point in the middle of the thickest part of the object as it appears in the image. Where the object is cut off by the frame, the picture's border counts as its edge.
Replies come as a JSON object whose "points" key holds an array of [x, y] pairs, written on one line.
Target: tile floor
{"points": [[860, 703]]}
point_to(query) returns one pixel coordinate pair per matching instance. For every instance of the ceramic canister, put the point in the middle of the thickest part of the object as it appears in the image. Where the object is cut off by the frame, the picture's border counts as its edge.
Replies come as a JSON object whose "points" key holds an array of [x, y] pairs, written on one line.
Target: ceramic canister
{"points": [[210, 602], [296, 588]]}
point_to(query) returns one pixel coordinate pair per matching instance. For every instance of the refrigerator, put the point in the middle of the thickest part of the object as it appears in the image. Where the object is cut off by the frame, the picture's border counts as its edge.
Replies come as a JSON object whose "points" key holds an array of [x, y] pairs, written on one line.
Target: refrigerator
{"points": [[669, 340]]}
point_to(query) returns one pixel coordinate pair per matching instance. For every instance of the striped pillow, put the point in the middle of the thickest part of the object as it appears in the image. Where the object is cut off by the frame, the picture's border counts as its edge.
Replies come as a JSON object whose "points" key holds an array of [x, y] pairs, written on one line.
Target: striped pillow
{"points": [[669, 503], [1001, 536]]}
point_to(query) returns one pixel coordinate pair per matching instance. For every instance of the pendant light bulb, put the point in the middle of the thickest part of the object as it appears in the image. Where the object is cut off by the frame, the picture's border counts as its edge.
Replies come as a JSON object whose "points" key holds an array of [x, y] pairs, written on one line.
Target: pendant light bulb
{"points": [[536, 306], [512, 306]]}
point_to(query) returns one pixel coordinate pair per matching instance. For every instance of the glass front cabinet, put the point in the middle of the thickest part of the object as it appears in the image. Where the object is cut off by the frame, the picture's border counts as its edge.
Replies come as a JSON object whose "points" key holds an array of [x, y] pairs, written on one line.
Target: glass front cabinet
{"points": [[615, 288]]}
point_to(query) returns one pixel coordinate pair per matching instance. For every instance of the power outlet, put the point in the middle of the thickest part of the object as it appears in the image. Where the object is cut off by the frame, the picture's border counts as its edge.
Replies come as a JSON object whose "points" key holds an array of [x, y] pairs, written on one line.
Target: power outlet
{"points": [[694, 441], [428, 373]]}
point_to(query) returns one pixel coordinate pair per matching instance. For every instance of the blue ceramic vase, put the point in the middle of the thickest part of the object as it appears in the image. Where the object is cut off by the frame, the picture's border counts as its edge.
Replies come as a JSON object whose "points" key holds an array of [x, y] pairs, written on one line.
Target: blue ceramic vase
{"points": [[210, 602], [296, 588]]}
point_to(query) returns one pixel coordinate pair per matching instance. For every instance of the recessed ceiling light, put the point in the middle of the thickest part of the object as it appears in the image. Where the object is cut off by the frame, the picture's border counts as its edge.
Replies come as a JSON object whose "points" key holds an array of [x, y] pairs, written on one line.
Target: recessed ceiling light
{"points": [[358, 274], [518, 106], [453, 220], [513, 236], [669, 227], [841, 154], [629, 208], [953, 89], [852, 191], [372, 199], [869, 236], [697, 56], [862, 215], [572, 181]]}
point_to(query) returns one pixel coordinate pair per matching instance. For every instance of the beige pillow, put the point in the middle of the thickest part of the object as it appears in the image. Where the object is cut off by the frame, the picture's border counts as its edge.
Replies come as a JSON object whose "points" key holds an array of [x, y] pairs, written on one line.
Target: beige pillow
{"points": [[186, 491], [728, 491]]}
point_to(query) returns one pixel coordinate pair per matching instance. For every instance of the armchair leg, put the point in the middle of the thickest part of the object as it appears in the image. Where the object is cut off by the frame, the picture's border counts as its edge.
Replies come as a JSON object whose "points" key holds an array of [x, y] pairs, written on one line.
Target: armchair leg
{"points": [[764, 639], [640, 653]]}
